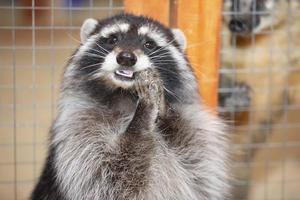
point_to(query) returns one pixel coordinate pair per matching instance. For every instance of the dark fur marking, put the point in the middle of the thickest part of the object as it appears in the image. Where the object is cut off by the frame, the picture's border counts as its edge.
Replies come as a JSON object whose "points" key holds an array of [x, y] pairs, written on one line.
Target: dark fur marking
{"points": [[47, 187]]}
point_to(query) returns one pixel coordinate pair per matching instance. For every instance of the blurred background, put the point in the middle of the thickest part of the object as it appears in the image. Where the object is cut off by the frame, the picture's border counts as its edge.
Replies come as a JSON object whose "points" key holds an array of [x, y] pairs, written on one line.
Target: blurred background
{"points": [[259, 91]]}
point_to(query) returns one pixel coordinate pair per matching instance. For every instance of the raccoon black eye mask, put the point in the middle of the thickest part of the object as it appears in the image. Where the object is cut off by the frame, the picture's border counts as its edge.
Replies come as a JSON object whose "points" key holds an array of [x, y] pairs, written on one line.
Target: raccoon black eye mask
{"points": [[130, 123]]}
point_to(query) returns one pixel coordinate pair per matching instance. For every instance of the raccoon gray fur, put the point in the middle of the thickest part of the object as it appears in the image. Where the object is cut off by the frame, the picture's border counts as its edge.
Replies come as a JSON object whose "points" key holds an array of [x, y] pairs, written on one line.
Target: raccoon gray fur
{"points": [[130, 123]]}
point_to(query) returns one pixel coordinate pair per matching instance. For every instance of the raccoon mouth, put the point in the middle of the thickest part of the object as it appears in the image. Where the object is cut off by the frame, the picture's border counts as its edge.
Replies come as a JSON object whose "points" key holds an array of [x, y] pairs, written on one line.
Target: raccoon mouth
{"points": [[124, 74]]}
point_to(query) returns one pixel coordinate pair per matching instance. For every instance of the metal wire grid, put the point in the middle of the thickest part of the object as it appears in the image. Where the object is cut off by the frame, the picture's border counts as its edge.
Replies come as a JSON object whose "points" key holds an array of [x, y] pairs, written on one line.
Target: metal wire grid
{"points": [[263, 167], [35, 42], [32, 54]]}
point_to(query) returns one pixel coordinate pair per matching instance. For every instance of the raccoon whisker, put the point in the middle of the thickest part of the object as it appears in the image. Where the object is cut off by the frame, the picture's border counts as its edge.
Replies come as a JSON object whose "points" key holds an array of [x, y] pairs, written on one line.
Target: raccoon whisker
{"points": [[90, 66], [93, 74], [163, 47], [183, 70], [160, 55], [73, 38], [155, 65], [172, 94], [198, 44], [102, 47], [164, 61], [166, 70], [165, 64], [195, 65], [94, 55], [160, 59], [101, 52], [198, 71], [72, 56]]}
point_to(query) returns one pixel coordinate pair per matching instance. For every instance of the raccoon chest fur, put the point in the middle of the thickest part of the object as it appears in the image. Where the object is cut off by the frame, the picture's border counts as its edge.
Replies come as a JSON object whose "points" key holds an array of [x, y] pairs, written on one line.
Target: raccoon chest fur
{"points": [[105, 163]]}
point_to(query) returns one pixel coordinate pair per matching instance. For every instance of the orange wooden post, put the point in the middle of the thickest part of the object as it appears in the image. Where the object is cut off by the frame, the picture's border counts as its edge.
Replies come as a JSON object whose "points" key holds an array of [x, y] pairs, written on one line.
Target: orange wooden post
{"points": [[200, 20], [157, 9]]}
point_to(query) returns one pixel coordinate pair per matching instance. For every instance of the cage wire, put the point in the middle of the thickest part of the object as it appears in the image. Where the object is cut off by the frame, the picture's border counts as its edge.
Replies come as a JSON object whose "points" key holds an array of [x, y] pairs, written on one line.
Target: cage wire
{"points": [[36, 39], [267, 131]]}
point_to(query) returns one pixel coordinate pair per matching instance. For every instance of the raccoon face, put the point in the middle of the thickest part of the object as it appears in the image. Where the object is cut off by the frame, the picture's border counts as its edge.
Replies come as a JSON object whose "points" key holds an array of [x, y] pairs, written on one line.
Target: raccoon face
{"points": [[114, 50], [254, 16]]}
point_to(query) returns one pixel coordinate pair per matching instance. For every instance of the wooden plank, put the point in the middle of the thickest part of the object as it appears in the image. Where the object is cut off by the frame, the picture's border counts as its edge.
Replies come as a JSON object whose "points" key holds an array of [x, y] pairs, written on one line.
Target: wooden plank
{"points": [[157, 9], [200, 20]]}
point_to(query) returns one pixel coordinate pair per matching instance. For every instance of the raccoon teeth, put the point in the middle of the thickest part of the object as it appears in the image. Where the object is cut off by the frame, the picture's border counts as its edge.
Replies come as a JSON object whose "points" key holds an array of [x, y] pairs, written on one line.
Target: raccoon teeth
{"points": [[125, 73]]}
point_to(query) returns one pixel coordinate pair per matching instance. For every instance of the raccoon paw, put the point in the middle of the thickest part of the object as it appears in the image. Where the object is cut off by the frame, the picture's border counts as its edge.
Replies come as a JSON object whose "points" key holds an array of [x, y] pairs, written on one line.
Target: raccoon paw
{"points": [[239, 99], [149, 89]]}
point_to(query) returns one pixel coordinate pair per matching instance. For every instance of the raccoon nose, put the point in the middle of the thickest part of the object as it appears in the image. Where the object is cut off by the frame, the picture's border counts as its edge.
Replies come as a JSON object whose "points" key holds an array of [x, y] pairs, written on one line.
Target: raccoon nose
{"points": [[237, 25], [126, 59]]}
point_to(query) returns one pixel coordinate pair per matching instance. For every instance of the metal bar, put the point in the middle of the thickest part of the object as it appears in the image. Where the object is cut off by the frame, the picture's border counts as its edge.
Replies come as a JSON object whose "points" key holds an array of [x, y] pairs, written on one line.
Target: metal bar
{"points": [[14, 102]]}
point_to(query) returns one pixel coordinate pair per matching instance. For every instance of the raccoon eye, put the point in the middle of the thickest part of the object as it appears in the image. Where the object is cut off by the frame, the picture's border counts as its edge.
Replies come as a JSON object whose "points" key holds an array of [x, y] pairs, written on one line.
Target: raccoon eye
{"points": [[112, 39], [150, 45]]}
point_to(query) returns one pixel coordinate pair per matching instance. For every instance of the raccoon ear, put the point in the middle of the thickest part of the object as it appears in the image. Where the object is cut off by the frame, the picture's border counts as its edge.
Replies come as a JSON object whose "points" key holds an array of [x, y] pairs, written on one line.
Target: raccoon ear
{"points": [[180, 38], [87, 28]]}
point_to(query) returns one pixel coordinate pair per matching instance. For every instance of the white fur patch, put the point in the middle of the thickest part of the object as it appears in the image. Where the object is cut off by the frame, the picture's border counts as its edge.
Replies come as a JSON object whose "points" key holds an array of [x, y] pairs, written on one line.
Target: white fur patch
{"points": [[110, 63], [142, 63], [114, 28], [152, 33], [143, 30], [87, 28], [265, 23], [180, 38], [269, 4]]}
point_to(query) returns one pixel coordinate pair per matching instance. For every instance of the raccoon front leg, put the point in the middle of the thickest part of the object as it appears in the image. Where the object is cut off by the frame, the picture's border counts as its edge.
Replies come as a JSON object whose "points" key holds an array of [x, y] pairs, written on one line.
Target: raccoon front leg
{"points": [[129, 167], [150, 102], [238, 99]]}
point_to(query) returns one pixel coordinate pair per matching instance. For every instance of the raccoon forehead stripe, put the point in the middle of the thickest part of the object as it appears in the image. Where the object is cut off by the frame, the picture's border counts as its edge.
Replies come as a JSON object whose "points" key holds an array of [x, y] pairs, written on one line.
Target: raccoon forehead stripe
{"points": [[143, 30], [155, 35], [117, 27]]}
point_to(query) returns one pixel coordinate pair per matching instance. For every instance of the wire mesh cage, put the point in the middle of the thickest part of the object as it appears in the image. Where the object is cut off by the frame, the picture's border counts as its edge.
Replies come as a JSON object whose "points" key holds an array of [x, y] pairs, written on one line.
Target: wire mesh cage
{"points": [[36, 39], [259, 94], [260, 72]]}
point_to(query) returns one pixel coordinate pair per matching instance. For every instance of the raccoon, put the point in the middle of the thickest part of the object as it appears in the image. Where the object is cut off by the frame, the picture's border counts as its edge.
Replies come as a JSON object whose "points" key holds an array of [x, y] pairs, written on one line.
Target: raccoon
{"points": [[130, 123], [258, 42], [262, 36]]}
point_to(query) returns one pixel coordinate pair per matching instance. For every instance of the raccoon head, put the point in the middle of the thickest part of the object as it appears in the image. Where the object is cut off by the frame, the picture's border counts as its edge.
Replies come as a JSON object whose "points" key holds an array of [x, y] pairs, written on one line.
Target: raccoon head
{"points": [[114, 50], [245, 17]]}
